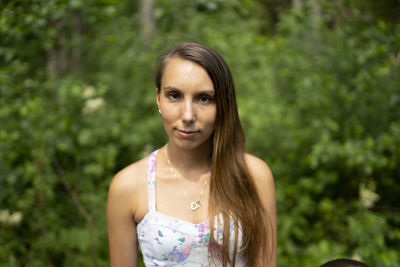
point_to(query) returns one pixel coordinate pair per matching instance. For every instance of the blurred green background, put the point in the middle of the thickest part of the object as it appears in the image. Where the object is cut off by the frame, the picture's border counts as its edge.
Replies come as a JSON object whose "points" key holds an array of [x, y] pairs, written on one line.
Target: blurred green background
{"points": [[318, 85]]}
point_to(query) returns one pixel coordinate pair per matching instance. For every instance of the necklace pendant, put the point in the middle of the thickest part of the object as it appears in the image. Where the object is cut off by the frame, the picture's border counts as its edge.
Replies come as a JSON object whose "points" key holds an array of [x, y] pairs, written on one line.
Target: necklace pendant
{"points": [[195, 205]]}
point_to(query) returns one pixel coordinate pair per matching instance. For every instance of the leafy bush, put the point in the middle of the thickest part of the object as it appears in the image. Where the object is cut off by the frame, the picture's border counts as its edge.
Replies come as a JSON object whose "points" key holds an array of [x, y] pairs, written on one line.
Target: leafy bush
{"points": [[318, 100]]}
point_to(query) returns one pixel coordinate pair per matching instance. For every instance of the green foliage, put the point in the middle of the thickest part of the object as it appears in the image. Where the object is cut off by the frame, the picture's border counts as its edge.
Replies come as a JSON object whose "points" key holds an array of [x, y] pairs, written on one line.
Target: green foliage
{"points": [[318, 100], [332, 141]]}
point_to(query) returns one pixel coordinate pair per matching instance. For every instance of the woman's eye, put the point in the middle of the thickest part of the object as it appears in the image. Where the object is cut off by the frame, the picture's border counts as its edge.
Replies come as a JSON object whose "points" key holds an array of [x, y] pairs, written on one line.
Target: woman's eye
{"points": [[205, 99], [173, 95]]}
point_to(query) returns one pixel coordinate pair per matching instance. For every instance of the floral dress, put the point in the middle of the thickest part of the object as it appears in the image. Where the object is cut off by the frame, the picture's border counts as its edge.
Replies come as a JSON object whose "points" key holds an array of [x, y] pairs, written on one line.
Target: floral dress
{"points": [[167, 241]]}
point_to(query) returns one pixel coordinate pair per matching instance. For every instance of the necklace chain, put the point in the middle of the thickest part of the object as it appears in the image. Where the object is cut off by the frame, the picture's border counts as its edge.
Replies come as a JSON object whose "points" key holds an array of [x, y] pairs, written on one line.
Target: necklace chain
{"points": [[194, 205]]}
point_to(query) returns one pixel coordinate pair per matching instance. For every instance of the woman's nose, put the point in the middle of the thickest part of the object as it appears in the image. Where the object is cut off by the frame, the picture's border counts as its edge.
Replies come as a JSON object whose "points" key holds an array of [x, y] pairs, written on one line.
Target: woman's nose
{"points": [[188, 115]]}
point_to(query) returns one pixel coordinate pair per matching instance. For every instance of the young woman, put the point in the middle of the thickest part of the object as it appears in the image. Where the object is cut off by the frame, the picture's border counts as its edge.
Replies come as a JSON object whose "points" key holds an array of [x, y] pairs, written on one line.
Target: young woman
{"points": [[200, 200]]}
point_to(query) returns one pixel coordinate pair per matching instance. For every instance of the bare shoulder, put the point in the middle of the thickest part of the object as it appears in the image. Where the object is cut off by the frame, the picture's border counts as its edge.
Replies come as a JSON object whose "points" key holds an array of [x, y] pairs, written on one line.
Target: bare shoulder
{"points": [[259, 170], [130, 181], [123, 206]]}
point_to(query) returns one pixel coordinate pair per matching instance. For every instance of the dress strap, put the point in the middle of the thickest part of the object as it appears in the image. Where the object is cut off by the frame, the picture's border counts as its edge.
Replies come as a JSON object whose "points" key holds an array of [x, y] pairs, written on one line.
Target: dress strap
{"points": [[151, 181]]}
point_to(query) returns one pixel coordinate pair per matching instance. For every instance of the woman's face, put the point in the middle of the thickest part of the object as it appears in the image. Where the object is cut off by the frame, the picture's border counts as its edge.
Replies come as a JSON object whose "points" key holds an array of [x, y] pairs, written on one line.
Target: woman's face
{"points": [[187, 105]]}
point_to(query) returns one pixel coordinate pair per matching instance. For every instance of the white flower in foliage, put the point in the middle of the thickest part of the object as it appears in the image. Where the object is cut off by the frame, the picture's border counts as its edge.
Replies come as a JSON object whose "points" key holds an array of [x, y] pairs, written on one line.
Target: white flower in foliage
{"points": [[89, 92], [368, 197], [93, 105], [15, 218], [10, 219]]}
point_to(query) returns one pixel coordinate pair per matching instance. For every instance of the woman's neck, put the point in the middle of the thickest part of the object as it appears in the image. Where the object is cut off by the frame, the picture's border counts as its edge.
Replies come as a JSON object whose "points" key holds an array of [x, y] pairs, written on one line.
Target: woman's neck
{"points": [[190, 164]]}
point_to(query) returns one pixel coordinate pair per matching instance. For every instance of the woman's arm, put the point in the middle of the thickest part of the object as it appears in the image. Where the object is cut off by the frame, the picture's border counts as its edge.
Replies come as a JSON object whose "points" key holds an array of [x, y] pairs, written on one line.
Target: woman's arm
{"points": [[120, 222], [266, 188]]}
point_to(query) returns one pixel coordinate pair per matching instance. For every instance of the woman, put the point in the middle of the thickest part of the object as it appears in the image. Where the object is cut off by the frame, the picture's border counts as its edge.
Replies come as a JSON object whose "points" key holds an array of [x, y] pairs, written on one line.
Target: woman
{"points": [[201, 179]]}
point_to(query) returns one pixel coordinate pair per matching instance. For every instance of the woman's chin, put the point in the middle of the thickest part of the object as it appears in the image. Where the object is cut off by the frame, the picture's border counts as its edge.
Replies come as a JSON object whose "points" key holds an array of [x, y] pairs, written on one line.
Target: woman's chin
{"points": [[189, 144]]}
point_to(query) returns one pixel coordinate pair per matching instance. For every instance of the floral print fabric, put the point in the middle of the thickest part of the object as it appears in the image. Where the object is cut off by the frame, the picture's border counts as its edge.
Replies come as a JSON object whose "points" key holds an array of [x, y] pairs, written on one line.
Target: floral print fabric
{"points": [[167, 241]]}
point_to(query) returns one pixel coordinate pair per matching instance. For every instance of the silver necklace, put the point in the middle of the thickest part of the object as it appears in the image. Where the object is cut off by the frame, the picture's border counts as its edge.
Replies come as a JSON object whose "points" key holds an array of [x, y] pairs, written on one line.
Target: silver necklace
{"points": [[194, 205]]}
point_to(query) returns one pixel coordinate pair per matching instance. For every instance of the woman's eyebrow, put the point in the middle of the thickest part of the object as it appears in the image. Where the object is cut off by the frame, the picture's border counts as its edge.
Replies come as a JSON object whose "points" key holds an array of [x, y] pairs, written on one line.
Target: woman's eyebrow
{"points": [[208, 92], [171, 88]]}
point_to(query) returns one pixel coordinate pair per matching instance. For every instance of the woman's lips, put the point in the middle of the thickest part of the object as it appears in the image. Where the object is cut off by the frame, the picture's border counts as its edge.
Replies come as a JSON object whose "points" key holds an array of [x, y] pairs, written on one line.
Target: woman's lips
{"points": [[186, 134]]}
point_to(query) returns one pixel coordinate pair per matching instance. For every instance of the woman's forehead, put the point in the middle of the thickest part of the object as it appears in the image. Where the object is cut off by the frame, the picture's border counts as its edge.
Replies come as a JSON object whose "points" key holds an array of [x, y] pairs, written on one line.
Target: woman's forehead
{"points": [[180, 73]]}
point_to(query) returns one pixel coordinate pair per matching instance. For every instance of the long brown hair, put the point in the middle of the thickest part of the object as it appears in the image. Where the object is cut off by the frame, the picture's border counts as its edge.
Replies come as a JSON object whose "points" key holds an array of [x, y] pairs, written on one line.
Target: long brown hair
{"points": [[233, 191]]}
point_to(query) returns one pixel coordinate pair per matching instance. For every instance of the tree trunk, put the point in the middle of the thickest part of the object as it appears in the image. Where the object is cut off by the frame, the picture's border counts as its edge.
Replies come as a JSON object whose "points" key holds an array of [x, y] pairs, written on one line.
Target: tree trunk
{"points": [[316, 10], [57, 57], [147, 19], [297, 4], [51, 65]]}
